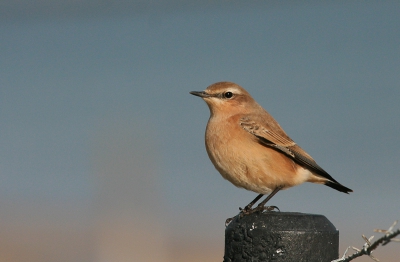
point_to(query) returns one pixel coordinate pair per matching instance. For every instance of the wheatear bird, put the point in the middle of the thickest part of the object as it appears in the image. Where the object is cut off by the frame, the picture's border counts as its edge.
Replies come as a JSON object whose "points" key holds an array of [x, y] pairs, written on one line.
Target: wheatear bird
{"points": [[250, 149]]}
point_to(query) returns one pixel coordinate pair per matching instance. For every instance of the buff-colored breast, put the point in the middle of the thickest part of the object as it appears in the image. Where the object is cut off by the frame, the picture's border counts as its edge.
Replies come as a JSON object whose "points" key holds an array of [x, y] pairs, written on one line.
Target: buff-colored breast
{"points": [[244, 162]]}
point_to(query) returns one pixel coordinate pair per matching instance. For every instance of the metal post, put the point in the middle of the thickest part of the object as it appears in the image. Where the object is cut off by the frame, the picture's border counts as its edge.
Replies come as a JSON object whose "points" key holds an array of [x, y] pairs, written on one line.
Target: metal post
{"points": [[281, 236]]}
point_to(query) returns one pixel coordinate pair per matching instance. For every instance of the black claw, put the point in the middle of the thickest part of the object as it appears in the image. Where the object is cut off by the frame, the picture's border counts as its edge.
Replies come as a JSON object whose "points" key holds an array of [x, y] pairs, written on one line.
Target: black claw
{"points": [[228, 221], [271, 208]]}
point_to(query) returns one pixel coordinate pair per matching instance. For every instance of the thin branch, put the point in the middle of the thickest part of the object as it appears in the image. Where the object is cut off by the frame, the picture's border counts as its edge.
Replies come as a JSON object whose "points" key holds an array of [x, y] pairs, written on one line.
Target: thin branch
{"points": [[368, 248]]}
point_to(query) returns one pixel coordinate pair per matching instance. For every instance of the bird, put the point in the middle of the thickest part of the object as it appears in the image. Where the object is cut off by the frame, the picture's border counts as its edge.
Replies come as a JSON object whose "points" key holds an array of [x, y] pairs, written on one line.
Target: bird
{"points": [[250, 149]]}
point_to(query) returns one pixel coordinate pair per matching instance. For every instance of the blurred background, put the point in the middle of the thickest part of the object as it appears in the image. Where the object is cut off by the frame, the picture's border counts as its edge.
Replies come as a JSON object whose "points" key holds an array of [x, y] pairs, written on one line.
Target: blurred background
{"points": [[102, 153]]}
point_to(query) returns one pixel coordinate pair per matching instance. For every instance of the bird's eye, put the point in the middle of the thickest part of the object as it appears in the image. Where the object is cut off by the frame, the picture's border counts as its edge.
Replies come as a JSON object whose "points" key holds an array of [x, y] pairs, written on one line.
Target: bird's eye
{"points": [[228, 94]]}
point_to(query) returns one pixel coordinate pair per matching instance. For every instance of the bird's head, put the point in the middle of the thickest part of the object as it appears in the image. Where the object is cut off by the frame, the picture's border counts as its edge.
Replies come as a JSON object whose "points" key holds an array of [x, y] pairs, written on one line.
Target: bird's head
{"points": [[227, 98]]}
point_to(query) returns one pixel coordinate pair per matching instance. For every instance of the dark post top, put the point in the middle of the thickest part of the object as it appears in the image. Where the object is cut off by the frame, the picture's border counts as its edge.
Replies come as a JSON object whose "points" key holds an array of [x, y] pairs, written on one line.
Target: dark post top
{"points": [[281, 236]]}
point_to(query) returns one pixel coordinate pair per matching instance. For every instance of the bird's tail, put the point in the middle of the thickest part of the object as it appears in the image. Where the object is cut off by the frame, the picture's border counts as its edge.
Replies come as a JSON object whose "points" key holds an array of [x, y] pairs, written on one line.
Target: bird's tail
{"points": [[338, 187]]}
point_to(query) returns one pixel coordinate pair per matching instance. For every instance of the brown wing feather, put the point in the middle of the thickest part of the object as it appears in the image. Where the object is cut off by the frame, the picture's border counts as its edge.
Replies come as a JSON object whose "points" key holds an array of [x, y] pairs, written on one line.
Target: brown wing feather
{"points": [[276, 138], [262, 128]]}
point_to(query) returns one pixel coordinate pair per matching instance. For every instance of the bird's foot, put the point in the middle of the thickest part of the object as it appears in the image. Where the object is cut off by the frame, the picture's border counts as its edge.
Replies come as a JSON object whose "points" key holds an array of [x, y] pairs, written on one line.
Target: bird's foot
{"points": [[259, 208], [269, 208], [243, 211], [248, 210], [228, 221]]}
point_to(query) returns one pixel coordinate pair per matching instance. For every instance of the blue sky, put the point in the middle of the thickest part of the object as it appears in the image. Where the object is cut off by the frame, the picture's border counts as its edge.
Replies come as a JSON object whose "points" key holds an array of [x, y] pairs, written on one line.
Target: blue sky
{"points": [[84, 86]]}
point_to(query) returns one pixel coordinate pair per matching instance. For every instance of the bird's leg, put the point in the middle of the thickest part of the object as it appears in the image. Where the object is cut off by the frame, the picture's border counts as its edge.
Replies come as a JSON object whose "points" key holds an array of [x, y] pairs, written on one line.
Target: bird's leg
{"points": [[262, 207], [251, 204], [246, 210]]}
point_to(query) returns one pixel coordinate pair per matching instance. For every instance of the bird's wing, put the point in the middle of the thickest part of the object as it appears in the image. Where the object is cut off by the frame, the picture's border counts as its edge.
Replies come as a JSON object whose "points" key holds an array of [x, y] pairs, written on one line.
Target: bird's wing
{"points": [[270, 134]]}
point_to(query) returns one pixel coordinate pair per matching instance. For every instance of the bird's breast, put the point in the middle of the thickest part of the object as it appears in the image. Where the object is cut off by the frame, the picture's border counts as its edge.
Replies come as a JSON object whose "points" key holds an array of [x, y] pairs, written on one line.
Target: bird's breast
{"points": [[244, 162]]}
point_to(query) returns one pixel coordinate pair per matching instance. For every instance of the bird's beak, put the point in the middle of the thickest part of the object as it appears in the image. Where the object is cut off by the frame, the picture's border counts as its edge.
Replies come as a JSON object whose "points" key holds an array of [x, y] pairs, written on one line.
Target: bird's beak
{"points": [[201, 94]]}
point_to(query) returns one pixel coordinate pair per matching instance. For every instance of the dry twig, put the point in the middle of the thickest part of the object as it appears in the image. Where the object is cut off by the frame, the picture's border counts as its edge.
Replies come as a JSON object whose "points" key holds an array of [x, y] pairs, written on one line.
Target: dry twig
{"points": [[369, 247]]}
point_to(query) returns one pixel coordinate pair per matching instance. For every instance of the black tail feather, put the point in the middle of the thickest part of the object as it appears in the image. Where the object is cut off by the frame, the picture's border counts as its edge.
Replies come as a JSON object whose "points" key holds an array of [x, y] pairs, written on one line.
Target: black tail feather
{"points": [[338, 187]]}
